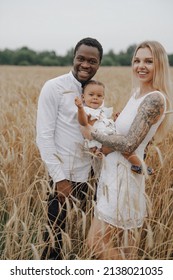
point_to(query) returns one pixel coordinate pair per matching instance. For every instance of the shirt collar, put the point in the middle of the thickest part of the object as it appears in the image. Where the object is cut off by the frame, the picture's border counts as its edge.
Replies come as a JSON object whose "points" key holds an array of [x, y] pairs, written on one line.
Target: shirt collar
{"points": [[75, 80]]}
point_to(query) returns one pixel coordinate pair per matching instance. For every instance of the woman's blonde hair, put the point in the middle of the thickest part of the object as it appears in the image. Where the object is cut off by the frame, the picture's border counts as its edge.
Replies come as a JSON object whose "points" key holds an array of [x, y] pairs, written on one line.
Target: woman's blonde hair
{"points": [[161, 80]]}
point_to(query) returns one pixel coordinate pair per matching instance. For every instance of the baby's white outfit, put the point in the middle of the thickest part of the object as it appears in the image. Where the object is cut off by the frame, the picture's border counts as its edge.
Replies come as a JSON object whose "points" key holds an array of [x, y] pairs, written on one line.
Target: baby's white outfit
{"points": [[121, 198], [103, 123]]}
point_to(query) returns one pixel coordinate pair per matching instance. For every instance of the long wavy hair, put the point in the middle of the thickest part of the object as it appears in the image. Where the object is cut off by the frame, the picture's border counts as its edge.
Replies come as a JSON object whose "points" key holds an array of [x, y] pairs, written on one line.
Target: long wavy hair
{"points": [[161, 81]]}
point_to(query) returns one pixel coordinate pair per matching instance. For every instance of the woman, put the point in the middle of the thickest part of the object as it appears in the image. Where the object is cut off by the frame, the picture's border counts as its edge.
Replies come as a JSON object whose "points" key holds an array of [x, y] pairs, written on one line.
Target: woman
{"points": [[121, 200]]}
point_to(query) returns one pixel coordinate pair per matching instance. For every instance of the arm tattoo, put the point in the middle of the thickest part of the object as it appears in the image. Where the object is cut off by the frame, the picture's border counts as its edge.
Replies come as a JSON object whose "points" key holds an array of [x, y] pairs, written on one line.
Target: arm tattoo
{"points": [[149, 112]]}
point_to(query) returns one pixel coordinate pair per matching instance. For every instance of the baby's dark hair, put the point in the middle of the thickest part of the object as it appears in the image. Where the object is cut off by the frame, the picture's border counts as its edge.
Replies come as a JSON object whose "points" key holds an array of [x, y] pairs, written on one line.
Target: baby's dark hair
{"points": [[91, 42], [92, 82]]}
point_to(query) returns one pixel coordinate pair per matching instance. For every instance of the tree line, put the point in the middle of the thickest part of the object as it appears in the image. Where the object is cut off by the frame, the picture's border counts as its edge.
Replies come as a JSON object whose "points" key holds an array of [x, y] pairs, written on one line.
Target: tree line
{"points": [[26, 56]]}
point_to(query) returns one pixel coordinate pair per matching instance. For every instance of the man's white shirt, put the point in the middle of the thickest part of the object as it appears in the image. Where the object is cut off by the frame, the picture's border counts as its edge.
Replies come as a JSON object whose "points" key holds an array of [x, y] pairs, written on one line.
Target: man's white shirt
{"points": [[59, 139]]}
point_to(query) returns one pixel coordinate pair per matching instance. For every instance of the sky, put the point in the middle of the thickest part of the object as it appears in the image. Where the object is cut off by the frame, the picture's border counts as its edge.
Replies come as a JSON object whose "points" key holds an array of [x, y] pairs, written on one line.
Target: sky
{"points": [[57, 25]]}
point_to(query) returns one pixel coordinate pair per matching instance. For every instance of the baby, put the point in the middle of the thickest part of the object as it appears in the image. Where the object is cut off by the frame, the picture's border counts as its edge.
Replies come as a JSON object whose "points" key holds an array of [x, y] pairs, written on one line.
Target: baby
{"points": [[91, 111]]}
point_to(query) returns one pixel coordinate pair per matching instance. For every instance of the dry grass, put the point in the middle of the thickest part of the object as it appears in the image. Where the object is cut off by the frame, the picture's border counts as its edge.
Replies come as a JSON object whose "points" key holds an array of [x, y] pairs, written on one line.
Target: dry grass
{"points": [[23, 180]]}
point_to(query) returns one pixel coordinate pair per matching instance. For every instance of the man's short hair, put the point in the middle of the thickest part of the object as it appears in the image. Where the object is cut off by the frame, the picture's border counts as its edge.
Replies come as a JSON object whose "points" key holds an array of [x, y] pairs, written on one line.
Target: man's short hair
{"points": [[92, 43]]}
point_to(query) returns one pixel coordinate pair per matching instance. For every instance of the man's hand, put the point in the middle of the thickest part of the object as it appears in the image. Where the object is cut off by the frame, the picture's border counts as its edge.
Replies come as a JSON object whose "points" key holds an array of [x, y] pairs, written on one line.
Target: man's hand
{"points": [[106, 150], [63, 190]]}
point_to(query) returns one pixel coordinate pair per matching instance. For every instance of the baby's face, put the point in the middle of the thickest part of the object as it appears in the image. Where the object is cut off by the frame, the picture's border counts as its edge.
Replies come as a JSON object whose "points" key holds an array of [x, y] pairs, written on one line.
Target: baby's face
{"points": [[93, 96]]}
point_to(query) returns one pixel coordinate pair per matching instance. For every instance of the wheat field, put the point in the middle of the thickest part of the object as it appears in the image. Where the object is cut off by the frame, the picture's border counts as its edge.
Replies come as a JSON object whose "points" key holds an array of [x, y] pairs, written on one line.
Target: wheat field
{"points": [[23, 178]]}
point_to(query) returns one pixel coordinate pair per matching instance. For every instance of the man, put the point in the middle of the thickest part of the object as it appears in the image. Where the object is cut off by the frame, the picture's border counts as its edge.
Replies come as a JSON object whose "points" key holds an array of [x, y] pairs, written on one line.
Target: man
{"points": [[59, 138]]}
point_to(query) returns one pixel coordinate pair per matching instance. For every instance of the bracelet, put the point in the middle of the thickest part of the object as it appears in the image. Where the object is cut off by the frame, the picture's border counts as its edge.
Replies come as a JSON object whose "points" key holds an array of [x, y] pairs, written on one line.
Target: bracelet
{"points": [[138, 169]]}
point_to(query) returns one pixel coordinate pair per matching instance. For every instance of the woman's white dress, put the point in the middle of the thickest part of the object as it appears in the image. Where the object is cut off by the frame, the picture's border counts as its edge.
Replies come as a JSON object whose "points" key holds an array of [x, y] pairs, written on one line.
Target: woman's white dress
{"points": [[121, 199]]}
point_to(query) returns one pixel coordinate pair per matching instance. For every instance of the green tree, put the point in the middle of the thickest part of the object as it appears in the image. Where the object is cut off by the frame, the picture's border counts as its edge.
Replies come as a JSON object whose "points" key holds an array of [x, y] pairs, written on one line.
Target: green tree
{"points": [[107, 61], [48, 59], [25, 56], [68, 58], [131, 49], [170, 57], [6, 57]]}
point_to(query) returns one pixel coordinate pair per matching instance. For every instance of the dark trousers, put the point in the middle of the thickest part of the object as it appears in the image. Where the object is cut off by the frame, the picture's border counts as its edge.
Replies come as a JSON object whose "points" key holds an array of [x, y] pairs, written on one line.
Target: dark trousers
{"points": [[57, 214]]}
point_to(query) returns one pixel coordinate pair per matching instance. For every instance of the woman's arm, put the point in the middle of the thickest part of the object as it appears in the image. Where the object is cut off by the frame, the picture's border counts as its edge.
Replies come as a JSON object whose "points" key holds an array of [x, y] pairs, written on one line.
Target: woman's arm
{"points": [[149, 112]]}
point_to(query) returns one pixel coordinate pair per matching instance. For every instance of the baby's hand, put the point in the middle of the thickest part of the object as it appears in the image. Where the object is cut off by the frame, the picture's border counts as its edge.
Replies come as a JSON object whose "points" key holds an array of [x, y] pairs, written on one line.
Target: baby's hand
{"points": [[78, 102], [115, 116]]}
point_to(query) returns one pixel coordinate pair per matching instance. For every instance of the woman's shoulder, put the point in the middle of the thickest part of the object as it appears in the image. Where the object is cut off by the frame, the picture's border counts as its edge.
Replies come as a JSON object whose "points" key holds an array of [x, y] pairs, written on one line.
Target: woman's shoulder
{"points": [[155, 96], [154, 102], [156, 92]]}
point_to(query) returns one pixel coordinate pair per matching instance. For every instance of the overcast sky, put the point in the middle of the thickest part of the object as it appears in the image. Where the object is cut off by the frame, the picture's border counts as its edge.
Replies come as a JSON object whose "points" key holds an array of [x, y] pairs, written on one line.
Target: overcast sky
{"points": [[59, 24]]}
